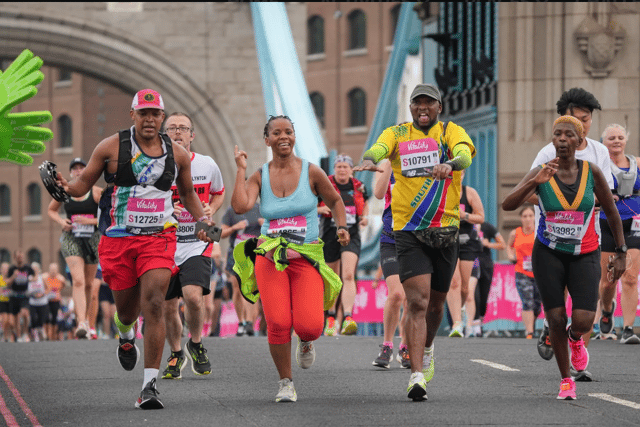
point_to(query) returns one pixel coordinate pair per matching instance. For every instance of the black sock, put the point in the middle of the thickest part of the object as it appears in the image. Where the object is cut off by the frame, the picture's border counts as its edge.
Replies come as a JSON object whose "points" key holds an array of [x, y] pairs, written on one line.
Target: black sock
{"points": [[571, 336], [331, 314], [178, 353], [347, 314]]}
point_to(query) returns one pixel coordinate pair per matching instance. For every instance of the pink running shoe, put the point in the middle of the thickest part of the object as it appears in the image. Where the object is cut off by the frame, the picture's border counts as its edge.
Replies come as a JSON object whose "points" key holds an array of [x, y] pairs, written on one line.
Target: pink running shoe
{"points": [[567, 390], [579, 354]]}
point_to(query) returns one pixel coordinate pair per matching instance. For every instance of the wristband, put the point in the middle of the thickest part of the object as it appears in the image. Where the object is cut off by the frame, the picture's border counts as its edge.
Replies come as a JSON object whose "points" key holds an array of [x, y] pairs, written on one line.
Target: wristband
{"points": [[203, 218], [343, 227]]}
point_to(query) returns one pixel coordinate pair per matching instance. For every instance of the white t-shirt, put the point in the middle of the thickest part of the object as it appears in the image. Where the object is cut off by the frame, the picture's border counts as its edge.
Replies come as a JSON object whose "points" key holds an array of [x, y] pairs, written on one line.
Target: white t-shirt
{"points": [[595, 152], [207, 180]]}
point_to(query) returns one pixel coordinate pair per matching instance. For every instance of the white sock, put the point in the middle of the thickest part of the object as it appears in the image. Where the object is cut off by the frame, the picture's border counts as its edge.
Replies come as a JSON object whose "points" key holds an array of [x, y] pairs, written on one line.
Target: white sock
{"points": [[429, 350], [546, 323], [129, 335], [149, 374]]}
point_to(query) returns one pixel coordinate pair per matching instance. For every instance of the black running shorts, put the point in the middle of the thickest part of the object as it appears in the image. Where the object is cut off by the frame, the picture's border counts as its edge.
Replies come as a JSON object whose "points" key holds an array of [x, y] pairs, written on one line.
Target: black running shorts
{"points": [[555, 270], [608, 243], [388, 259], [194, 271], [416, 258]]}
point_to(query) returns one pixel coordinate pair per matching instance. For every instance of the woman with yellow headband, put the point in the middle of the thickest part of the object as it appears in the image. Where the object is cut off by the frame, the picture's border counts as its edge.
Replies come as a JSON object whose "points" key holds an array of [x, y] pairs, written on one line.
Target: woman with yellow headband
{"points": [[566, 251]]}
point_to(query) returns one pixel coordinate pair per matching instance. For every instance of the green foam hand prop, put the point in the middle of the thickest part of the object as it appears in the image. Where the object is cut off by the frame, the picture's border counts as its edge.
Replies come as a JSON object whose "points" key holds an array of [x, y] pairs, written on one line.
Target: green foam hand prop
{"points": [[20, 133]]}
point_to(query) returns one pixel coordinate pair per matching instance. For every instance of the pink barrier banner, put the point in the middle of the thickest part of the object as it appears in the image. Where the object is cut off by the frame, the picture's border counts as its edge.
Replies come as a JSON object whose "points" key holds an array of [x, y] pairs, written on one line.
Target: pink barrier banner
{"points": [[369, 304], [504, 302]]}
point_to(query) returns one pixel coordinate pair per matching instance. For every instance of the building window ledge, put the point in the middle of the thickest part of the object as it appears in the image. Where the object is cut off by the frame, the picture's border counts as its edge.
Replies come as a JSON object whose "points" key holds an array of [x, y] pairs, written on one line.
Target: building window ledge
{"points": [[5, 219], [63, 150], [33, 218], [62, 83], [356, 130], [316, 57], [355, 52]]}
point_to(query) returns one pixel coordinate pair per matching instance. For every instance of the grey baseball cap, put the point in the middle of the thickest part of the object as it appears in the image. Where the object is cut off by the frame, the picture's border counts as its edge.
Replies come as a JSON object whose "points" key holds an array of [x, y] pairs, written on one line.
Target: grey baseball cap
{"points": [[426, 89]]}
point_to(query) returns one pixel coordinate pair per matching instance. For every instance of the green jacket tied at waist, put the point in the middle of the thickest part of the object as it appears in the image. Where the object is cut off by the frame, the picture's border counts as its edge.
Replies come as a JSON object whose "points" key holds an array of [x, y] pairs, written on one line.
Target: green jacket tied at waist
{"points": [[245, 252]]}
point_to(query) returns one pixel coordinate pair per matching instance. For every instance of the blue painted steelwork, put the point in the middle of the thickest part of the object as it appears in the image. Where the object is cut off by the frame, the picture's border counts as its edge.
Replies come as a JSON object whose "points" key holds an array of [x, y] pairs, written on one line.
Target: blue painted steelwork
{"points": [[283, 85]]}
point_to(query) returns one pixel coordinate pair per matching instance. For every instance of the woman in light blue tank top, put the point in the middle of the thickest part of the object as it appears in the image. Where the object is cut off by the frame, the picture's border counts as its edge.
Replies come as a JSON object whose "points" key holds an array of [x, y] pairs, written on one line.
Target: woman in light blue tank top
{"points": [[291, 296]]}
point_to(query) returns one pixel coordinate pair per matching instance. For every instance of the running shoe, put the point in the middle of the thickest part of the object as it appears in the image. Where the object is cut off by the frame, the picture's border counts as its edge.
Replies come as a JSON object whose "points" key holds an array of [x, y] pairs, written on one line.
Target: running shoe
{"points": [[567, 390], [544, 344], [305, 354], [248, 329], [417, 389], [595, 333], [286, 392], [383, 359], [581, 376], [81, 330], [330, 327], [128, 353], [457, 330], [93, 335], [175, 367], [628, 337], [149, 397], [200, 364], [403, 358], [428, 362], [529, 336], [241, 329], [579, 354], [606, 320], [349, 326]]}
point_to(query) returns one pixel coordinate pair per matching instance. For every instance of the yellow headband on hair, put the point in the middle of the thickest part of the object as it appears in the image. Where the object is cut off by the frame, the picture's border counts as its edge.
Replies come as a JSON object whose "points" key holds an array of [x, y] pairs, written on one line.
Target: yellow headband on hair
{"points": [[573, 121]]}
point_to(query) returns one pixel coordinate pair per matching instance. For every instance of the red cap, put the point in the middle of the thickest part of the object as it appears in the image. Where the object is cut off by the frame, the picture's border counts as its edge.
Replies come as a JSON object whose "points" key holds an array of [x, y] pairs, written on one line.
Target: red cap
{"points": [[147, 98]]}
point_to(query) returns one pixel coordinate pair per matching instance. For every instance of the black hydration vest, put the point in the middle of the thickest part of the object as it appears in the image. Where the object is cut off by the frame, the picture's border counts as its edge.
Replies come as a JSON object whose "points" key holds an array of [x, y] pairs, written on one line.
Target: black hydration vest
{"points": [[125, 176]]}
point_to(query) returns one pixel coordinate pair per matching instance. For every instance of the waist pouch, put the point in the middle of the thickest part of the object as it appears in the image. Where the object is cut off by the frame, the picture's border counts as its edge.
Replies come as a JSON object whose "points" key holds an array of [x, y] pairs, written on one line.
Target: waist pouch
{"points": [[437, 237]]}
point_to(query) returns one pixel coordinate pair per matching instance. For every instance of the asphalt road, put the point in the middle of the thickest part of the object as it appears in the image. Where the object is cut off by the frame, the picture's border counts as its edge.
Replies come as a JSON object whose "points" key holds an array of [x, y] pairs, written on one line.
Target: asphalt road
{"points": [[80, 383]]}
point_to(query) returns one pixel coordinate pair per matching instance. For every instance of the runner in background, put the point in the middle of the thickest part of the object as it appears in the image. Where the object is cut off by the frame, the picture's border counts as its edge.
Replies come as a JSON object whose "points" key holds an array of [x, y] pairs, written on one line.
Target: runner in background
{"points": [[38, 303], [193, 257], [482, 277], [79, 245], [54, 282], [519, 250], [18, 279], [627, 193], [239, 228], [344, 259], [389, 268], [471, 213], [5, 291]]}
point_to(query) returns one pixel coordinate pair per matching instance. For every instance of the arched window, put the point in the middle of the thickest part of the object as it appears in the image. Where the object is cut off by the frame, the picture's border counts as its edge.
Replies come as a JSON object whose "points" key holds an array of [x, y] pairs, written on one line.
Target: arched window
{"points": [[315, 35], [395, 15], [357, 107], [64, 131], [5, 255], [357, 30], [317, 100], [33, 192], [34, 255], [5, 200], [64, 75]]}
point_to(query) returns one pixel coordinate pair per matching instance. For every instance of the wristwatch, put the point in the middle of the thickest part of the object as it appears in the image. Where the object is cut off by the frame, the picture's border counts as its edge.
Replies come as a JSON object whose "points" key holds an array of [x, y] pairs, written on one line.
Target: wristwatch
{"points": [[621, 249], [466, 216]]}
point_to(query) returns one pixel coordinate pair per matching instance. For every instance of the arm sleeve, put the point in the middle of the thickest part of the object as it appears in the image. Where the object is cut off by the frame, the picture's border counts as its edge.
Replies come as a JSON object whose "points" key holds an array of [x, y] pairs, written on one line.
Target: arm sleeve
{"points": [[383, 147], [461, 157]]}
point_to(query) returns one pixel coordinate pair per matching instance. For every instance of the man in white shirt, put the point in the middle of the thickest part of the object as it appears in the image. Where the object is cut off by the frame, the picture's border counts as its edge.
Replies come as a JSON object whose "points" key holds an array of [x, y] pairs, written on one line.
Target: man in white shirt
{"points": [[580, 104]]}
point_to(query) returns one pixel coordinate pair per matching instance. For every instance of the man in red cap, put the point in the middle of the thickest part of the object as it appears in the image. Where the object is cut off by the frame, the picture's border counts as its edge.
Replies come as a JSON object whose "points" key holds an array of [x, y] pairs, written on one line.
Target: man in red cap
{"points": [[138, 230]]}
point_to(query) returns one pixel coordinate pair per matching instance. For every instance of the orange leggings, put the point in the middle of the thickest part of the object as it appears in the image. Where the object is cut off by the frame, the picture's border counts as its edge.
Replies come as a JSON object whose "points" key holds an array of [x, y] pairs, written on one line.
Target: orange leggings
{"points": [[293, 297]]}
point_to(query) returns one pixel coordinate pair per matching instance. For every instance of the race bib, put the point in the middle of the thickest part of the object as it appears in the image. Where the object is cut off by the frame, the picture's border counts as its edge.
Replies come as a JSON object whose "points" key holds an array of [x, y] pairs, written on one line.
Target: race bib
{"points": [[82, 230], [526, 263], [564, 226], [351, 215], [417, 155], [186, 232], [144, 216], [635, 224], [293, 229]]}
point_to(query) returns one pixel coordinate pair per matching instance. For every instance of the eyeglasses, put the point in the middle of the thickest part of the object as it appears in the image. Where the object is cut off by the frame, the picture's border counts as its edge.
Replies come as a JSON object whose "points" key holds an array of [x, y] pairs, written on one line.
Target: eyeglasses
{"points": [[182, 129]]}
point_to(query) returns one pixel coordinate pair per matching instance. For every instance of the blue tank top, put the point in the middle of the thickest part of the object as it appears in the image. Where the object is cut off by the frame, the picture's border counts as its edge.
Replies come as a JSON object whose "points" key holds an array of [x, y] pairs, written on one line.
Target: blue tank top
{"points": [[294, 217], [629, 206]]}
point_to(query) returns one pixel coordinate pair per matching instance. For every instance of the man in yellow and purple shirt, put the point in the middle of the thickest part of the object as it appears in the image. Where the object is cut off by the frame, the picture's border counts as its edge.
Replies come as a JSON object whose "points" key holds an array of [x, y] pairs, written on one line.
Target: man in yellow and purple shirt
{"points": [[427, 157]]}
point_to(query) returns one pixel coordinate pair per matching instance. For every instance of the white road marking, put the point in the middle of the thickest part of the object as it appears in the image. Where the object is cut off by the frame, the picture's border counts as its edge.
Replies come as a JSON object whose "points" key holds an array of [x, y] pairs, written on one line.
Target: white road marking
{"points": [[496, 365], [609, 398]]}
